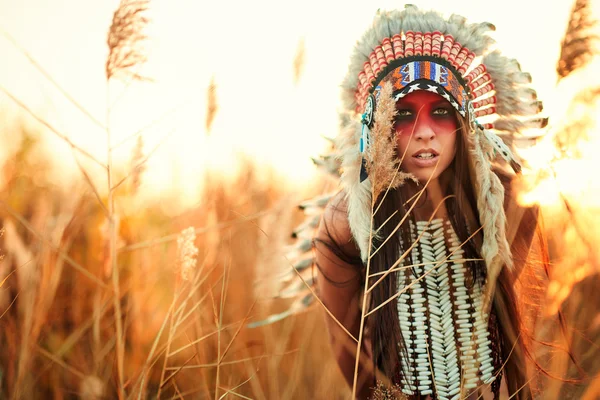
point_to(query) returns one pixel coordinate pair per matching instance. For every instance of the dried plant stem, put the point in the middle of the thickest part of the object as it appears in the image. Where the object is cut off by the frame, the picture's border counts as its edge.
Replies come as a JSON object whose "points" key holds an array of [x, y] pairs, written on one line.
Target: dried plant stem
{"points": [[200, 339], [231, 391], [402, 268], [363, 310], [233, 362], [9, 306], [127, 85], [238, 330], [170, 377], [523, 386], [414, 282], [60, 362], [200, 349], [49, 126], [112, 229], [49, 243], [76, 335], [89, 181], [403, 256], [364, 313], [187, 393], [171, 318], [147, 366], [149, 125], [142, 162], [50, 79], [388, 219], [272, 364], [408, 212], [197, 231], [6, 277], [125, 56], [191, 294], [179, 313], [219, 324], [96, 319], [309, 287]]}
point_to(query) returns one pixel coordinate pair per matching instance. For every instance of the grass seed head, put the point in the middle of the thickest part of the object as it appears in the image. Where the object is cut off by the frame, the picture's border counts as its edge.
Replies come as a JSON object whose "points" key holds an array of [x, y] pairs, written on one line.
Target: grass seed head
{"points": [[187, 253], [126, 38]]}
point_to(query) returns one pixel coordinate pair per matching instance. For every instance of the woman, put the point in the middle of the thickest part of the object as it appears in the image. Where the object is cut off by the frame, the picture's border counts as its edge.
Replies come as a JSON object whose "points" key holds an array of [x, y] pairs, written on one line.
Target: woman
{"points": [[427, 214]]}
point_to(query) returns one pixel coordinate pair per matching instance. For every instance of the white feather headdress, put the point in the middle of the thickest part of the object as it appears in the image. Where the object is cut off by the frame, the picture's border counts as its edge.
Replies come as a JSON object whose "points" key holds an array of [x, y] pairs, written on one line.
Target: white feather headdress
{"points": [[421, 50]]}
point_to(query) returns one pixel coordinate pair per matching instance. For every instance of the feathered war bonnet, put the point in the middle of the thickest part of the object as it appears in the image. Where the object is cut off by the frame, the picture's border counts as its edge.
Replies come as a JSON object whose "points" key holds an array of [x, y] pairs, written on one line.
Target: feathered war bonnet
{"points": [[410, 50]]}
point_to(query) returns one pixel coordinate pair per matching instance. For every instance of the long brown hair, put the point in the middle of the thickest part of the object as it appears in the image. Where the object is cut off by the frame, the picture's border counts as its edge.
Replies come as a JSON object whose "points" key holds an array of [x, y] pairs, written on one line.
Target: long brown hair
{"points": [[387, 341]]}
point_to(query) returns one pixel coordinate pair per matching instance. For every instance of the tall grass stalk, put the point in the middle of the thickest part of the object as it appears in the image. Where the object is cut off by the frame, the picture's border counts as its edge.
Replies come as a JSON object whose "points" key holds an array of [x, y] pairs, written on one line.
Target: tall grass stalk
{"points": [[384, 174], [125, 57], [112, 234]]}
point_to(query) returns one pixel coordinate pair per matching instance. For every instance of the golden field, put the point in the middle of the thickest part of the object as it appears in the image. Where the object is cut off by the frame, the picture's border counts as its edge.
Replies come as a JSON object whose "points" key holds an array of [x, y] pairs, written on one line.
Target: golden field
{"points": [[109, 293]]}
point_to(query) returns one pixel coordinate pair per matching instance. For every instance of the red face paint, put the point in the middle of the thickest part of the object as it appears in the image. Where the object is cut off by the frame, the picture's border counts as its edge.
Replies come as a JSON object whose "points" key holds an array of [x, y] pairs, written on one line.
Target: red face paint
{"points": [[426, 128]]}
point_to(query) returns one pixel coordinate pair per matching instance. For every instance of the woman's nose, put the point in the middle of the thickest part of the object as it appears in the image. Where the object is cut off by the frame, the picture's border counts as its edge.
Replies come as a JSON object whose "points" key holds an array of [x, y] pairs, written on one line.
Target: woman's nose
{"points": [[423, 129]]}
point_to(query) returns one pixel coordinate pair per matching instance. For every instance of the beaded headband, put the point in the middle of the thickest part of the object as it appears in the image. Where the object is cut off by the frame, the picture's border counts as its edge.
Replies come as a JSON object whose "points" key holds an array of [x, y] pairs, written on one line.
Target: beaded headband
{"points": [[420, 72], [424, 73]]}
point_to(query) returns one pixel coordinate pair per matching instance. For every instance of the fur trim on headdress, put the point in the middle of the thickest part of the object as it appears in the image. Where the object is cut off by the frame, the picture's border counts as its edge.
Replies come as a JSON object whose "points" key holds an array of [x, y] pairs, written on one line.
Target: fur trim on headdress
{"points": [[490, 203], [358, 193]]}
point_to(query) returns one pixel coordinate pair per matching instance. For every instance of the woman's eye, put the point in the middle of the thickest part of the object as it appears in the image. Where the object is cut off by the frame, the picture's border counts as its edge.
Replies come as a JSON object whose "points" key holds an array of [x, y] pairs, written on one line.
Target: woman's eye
{"points": [[404, 113], [441, 111]]}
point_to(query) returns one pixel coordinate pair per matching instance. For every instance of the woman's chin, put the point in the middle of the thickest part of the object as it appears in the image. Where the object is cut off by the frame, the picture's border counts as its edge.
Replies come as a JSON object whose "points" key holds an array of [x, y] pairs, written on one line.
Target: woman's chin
{"points": [[424, 177]]}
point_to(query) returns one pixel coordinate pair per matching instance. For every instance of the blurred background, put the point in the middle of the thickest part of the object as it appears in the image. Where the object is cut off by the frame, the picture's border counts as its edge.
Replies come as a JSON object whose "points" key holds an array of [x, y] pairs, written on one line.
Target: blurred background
{"points": [[206, 115]]}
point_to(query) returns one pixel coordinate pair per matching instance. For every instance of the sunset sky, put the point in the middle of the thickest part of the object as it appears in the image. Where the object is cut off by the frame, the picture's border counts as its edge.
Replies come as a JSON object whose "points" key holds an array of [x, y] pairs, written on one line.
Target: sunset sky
{"points": [[249, 49]]}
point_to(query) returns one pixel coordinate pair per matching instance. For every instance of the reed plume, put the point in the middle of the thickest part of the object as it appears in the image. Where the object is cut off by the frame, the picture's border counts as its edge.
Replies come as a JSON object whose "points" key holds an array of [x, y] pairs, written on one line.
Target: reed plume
{"points": [[136, 165], [384, 170], [126, 38], [299, 61], [212, 106], [579, 43], [187, 253]]}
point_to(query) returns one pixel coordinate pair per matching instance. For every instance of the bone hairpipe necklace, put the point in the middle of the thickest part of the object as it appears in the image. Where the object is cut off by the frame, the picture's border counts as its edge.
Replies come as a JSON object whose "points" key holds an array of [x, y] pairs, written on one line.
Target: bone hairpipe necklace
{"points": [[445, 333]]}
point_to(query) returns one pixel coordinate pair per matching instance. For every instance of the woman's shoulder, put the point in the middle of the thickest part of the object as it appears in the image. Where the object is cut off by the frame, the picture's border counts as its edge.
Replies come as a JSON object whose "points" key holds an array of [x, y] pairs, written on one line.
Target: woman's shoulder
{"points": [[334, 228]]}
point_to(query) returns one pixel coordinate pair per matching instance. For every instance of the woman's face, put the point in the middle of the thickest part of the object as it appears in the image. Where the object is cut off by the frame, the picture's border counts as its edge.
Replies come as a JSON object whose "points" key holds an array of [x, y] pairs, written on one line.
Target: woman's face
{"points": [[431, 121]]}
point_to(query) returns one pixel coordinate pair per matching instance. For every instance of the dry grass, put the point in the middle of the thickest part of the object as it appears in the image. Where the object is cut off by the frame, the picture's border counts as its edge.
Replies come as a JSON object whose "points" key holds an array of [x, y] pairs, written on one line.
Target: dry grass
{"points": [[184, 338], [95, 303], [180, 337]]}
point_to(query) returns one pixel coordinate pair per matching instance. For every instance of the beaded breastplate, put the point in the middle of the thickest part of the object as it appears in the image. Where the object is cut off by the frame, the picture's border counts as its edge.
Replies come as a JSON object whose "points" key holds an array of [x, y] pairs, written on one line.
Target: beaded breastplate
{"points": [[445, 333]]}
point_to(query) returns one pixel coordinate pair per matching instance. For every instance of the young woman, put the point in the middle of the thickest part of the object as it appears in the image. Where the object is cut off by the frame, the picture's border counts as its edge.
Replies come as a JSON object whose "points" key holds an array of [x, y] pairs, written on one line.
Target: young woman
{"points": [[421, 253]]}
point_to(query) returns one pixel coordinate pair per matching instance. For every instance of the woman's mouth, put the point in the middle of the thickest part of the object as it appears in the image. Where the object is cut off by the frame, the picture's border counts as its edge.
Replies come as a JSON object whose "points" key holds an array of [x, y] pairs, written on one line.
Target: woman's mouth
{"points": [[426, 157]]}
